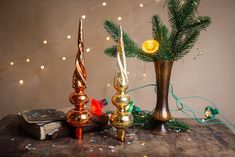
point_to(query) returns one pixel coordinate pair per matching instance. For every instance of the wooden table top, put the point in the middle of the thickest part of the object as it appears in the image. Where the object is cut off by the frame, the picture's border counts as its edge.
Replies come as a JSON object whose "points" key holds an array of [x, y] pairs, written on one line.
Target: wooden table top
{"points": [[201, 141]]}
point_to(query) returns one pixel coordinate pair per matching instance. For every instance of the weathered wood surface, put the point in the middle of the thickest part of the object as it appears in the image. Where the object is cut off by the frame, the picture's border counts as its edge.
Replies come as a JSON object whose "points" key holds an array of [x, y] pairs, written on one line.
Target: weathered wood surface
{"points": [[200, 141]]}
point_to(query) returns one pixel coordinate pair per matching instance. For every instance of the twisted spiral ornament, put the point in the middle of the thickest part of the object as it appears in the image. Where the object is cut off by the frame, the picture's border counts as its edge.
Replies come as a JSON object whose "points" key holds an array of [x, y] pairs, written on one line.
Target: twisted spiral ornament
{"points": [[79, 75]]}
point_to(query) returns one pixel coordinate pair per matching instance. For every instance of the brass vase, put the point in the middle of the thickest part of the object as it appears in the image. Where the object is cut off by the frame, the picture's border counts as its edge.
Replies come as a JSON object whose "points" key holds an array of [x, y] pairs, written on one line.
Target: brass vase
{"points": [[162, 113]]}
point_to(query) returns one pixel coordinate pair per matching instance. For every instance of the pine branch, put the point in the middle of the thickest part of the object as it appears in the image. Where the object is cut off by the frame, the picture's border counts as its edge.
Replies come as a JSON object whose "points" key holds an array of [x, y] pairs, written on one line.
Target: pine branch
{"points": [[174, 14], [145, 57], [156, 28], [187, 44], [130, 47], [197, 25], [161, 34], [175, 42], [189, 9], [112, 29], [164, 52], [112, 51], [184, 25], [189, 35]]}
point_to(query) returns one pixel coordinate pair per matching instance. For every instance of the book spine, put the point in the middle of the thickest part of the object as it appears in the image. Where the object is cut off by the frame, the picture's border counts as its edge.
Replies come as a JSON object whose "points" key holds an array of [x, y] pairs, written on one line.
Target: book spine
{"points": [[32, 129]]}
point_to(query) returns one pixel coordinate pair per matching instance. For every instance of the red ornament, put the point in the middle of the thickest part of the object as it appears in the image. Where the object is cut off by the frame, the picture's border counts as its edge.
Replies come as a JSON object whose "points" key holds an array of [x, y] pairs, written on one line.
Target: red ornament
{"points": [[97, 106]]}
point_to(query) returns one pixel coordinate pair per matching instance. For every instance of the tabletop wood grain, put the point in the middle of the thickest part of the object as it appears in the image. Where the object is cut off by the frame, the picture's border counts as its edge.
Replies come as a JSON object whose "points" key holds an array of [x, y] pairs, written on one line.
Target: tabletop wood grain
{"points": [[201, 141]]}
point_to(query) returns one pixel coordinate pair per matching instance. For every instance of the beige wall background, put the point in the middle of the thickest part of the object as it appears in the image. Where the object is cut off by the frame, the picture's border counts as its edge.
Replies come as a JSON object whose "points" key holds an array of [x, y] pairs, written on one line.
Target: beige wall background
{"points": [[25, 24]]}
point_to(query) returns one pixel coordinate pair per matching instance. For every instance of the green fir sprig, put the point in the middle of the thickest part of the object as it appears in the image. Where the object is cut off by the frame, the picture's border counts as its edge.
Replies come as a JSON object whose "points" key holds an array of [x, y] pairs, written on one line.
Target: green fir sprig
{"points": [[174, 43], [131, 48]]}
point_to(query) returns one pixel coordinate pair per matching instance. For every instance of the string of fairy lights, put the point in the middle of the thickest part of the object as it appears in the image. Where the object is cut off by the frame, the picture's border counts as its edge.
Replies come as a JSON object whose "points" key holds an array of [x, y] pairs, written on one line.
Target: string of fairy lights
{"points": [[88, 49]]}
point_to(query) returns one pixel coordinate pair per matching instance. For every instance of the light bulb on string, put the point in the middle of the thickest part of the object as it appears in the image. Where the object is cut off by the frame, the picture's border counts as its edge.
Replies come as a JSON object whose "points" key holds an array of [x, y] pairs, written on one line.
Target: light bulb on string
{"points": [[44, 41], [107, 38], [119, 18], [63, 58], [194, 3], [199, 52], [27, 60], [108, 85], [83, 16], [68, 36], [12, 63], [21, 82], [42, 67], [144, 72], [211, 112], [104, 3], [198, 55], [141, 5], [88, 50]]}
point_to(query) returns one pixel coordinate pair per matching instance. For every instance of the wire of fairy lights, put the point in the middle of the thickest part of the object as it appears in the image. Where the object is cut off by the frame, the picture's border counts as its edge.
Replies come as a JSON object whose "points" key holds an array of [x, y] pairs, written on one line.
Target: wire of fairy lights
{"points": [[183, 107]]}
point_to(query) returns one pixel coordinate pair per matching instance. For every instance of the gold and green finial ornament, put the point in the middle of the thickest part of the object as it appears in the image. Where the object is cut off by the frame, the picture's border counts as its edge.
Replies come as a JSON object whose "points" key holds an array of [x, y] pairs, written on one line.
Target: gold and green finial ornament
{"points": [[167, 46], [121, 119]]}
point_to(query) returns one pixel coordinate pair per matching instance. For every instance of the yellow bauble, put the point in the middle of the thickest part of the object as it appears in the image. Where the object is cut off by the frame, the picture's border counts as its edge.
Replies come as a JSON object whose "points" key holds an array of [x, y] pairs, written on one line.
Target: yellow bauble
{"points": [[150, 46]]}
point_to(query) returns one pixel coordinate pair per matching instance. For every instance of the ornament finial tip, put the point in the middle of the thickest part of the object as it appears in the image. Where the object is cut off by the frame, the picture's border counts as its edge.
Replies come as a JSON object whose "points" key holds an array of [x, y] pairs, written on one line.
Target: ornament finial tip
{"points": [[80, 32], [120, 32], [80, 22]]}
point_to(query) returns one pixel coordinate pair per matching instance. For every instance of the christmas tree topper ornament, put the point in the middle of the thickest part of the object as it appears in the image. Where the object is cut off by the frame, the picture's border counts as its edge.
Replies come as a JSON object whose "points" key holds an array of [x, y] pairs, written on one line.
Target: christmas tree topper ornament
{"points": [[121, 119], [78, 116]]}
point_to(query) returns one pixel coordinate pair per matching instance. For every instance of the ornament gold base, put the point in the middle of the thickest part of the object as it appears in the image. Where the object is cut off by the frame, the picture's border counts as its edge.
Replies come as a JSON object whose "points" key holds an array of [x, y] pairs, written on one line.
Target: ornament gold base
{"points": [[162, 113], [121, 134], [123, 120]]}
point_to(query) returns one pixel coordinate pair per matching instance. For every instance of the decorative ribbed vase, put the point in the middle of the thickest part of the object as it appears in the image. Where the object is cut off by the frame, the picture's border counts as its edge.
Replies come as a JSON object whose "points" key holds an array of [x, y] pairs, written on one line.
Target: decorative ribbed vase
{"points": [[162, 113]]}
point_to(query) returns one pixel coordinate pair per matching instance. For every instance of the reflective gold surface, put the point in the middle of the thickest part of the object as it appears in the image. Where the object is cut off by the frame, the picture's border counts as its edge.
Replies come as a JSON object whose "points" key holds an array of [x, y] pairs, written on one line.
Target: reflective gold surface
{"points": [[121, 119]]}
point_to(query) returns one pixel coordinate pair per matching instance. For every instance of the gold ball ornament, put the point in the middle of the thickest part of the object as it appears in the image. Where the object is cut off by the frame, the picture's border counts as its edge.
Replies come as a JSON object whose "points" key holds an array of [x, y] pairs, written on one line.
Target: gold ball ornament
{"points": [[150, 46]]}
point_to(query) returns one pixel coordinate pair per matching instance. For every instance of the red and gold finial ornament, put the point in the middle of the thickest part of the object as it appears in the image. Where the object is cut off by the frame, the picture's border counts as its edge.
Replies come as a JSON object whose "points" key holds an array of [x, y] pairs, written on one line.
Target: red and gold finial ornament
{"points": [[150, 46], [78, 116]]}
